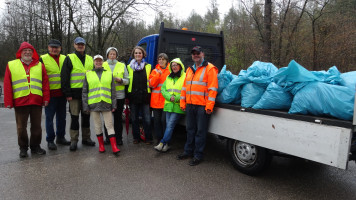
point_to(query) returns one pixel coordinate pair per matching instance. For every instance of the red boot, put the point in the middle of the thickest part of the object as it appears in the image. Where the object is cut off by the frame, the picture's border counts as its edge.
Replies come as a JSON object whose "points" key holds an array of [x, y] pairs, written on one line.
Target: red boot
{"points": [[115, 150], [101, 143]]}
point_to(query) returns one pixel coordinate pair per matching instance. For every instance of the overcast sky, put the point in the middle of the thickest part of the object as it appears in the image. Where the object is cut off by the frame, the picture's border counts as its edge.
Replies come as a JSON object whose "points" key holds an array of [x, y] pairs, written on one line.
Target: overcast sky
{"points": [[181, 9]]}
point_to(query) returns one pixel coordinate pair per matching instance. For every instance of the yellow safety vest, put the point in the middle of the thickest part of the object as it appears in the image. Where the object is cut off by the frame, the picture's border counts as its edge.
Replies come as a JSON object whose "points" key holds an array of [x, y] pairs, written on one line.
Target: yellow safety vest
{"points": [[53, 70], [77, 74], [119, 71], [20, 85], [99, 90], [148, 71]]}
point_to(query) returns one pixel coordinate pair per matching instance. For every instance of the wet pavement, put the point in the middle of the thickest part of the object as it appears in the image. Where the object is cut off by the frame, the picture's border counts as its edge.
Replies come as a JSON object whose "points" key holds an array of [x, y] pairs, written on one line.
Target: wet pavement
{"points": [[142, 173]]}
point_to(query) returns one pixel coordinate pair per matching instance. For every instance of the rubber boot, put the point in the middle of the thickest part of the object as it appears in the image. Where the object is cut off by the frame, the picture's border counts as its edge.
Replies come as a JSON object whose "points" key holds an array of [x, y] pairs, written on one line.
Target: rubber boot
{"points": [[101, 143], [115, 150]]}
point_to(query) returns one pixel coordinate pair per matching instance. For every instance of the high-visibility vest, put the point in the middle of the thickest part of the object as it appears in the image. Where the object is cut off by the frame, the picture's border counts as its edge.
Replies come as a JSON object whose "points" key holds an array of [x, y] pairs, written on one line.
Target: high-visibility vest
{"points": [[148, 71], [53, 70], [77, 74], [196, 89], [174, 88], [99, 90], [20, 85], [119, 71]]}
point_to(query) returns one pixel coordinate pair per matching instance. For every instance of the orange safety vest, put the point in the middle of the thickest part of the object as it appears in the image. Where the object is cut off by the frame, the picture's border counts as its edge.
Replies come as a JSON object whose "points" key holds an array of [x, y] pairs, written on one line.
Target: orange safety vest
{"points": [[156, 81], [201, 87]]}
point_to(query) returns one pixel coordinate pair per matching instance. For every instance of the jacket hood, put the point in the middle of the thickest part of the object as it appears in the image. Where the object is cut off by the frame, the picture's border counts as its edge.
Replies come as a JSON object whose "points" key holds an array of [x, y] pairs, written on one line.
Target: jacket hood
{"points": [[26, 45], [176, 60]]}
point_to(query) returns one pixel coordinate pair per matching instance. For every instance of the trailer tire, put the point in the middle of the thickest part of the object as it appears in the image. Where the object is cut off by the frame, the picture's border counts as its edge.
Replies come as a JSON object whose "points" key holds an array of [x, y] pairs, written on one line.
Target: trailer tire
{"points": [[247, 158]]}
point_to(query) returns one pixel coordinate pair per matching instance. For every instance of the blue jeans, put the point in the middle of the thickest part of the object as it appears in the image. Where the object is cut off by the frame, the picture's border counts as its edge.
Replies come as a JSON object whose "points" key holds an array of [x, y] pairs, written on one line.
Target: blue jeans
{"points": [[171, 120], [56, 106], [144, 109], [197, 127]]}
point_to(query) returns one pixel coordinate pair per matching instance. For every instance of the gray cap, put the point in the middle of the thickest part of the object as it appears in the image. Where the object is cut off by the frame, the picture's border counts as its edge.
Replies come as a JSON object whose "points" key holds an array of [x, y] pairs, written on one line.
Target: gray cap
{"points": [[54, 43], [79, 40]]}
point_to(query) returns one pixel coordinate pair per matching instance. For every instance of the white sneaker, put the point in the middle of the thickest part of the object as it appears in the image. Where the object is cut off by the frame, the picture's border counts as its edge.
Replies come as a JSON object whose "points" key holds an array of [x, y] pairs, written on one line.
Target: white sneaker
{"points": [[159, 146], [165, 148]]}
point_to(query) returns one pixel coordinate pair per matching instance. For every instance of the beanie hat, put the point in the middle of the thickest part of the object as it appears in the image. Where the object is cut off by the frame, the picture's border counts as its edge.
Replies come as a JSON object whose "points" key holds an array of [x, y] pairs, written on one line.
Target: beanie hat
{"points": [[112, 48]]}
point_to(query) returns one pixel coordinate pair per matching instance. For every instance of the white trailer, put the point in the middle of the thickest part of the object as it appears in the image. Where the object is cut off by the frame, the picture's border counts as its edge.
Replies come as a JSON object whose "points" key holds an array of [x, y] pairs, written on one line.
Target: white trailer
{"points": [[255, 135]]}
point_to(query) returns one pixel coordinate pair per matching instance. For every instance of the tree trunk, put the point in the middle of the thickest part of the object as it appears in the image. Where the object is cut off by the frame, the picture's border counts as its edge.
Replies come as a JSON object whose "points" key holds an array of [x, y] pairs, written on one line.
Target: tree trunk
{"points": [[267, 45]]}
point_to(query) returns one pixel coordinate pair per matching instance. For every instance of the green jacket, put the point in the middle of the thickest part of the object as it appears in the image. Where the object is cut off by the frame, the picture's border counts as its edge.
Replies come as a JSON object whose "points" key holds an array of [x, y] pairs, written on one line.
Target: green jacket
{"points": [[171, 87]]}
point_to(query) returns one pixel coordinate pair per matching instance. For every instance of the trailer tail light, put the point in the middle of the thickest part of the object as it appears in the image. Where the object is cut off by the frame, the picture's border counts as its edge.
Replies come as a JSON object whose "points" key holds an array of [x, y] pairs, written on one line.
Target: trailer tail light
{"points": [[193, 39]]}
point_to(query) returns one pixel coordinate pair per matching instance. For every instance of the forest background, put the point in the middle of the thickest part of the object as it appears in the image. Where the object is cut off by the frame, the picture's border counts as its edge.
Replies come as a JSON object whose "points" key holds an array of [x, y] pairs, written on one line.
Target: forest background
{"points": [[318, 34]]}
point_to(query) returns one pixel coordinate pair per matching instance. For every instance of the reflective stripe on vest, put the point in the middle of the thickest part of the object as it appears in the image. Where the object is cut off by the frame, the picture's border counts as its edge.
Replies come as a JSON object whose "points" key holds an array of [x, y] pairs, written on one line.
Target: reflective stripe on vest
{"points": [[53, 70], [148, 71], [20, 85], [119, 71], [77, 74], [99, 90]]}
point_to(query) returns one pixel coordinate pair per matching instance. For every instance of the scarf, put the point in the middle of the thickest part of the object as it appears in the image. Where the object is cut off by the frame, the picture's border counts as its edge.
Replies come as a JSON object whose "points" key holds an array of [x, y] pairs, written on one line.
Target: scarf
{"points": [[135, 66], [173, 75], [111, 62]]}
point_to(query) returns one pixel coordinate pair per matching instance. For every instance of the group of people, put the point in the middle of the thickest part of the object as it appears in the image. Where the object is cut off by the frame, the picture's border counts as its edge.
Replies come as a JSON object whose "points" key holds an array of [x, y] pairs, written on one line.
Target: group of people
{"points": [[94, 87]]}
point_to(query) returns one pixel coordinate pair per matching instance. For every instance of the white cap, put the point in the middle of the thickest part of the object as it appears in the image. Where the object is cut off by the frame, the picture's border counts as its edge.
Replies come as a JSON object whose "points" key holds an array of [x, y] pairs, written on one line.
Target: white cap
{"points": [[98, 56]]}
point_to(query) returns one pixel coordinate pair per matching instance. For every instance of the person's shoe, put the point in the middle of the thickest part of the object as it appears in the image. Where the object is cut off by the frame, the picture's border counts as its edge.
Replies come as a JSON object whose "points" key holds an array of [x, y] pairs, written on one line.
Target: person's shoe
{"points": [[62, 141], [165, 148], [38, 150], [136, 141], [159, 146], [182, 156], [194, 161], [88, 142], [101, 143], [73, 146], [52, 146], [23, 153], [148, 142], [106, 141], [119, 142], [115, 150]]}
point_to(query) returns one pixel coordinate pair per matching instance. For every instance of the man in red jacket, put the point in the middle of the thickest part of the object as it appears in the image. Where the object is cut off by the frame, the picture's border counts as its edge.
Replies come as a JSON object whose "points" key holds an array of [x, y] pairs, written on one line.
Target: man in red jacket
{"points": [[26, 88]]}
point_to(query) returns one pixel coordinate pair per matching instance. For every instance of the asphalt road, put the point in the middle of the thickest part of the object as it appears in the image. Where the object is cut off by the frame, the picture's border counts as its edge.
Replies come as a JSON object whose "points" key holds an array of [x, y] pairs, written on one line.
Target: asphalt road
{"points": [[142, 173]]}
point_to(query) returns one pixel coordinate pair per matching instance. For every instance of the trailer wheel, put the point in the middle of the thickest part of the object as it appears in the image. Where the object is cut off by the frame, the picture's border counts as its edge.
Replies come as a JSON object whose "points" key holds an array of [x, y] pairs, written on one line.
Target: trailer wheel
{"points": [[247, 158]]}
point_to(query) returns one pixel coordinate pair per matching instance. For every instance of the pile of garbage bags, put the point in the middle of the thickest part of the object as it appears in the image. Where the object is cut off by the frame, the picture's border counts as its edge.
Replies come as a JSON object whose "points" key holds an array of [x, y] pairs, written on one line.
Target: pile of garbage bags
{"points": [[293, 88]]}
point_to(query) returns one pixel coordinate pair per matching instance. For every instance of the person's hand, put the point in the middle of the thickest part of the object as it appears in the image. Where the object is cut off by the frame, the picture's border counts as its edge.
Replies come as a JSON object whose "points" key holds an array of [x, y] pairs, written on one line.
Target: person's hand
{"points": [[45, 103], [87, 112], [182, 109], [159, 71], [69, 98], [172, 99], [113, 110], [119, 80], [209, 111], [9, 107]]}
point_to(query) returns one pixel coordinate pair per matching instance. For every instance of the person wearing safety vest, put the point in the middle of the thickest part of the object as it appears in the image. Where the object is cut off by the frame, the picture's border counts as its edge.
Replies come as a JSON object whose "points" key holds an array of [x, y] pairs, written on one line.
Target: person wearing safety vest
{"points": [[198, 99], [53, 62], [99, 98], [156, 80], [73, 72], [171, 90], [121, 78], [26, 89], [139, 94]]}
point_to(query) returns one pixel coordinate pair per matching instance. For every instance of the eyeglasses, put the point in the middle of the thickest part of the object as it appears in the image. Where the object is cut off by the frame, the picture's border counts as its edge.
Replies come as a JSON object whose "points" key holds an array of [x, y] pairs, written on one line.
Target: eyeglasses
{"points": [[175, 65]]}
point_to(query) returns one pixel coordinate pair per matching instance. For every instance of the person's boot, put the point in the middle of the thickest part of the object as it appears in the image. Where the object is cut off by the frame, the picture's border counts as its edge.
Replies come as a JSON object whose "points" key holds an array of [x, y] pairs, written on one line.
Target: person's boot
{"points": [[73, 146], [115, 150], [86, 137], [101, 143]]}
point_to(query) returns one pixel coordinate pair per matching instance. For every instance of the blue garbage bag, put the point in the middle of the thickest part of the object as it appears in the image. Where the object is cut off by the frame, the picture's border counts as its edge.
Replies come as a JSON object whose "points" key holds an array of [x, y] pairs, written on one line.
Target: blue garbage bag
{"points": [[261, 73], [232, 92], [275, 97], [224, 78], [250, 94], [332, 76], [349, 79], [321, 99], [289, 77]]}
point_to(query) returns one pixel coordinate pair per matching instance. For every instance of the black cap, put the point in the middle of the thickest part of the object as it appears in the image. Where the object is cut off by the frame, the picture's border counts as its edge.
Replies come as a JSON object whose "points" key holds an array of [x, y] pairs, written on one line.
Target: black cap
{"points": [[197, 49], [54, 43]]}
